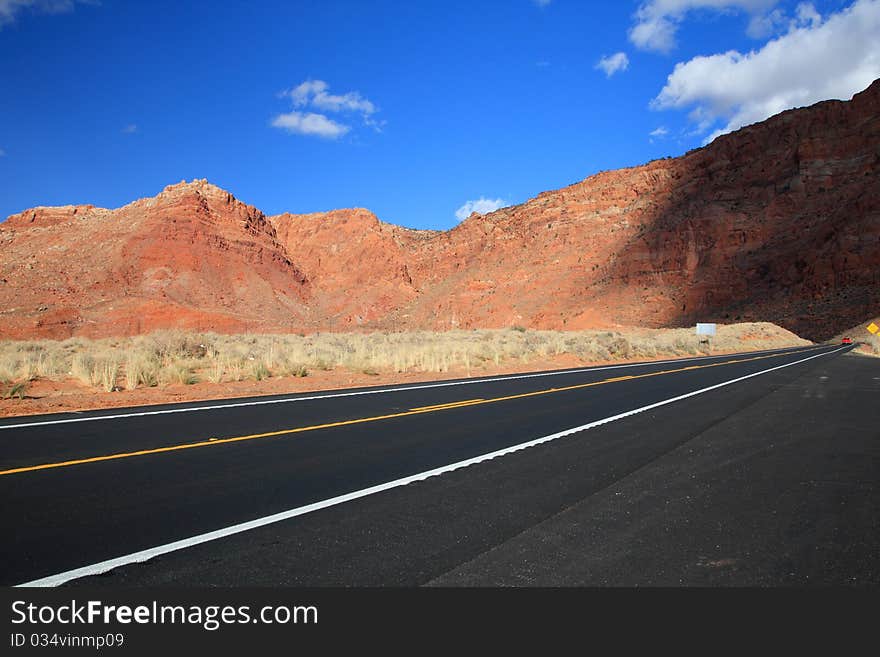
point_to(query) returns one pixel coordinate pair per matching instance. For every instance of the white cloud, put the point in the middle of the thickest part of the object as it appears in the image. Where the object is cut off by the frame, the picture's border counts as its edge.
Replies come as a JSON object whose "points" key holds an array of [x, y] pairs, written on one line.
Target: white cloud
{"points": [[658, 133], [130, 129], [310, 124], [613, 63], [807, 15], [656, 21], [9, 9], [762, 26], [813, 61], [313, 94], [480, 206]]}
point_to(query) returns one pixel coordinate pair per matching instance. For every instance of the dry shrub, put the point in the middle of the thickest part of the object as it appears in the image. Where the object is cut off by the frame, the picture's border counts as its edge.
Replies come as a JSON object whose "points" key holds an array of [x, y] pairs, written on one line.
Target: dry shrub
{"points": [[141, 369], [108, 373], [180, 357], [178, 373], [17, 390]]}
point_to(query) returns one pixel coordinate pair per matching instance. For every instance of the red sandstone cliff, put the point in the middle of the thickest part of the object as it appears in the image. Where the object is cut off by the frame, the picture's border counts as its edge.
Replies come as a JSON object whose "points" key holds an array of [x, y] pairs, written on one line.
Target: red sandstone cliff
{"points": [[193, 257], [779, 221]]}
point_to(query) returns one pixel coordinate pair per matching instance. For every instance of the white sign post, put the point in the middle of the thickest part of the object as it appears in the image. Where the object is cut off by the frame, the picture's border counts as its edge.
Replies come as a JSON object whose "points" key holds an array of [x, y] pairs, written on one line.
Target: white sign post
{"points": [[707, 330]]}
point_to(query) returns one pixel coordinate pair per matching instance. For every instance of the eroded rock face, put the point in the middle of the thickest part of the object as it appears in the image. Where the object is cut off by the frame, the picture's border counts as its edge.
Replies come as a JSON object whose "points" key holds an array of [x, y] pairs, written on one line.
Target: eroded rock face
{"points": [[192, 257], [359, 266], [779, 221]]}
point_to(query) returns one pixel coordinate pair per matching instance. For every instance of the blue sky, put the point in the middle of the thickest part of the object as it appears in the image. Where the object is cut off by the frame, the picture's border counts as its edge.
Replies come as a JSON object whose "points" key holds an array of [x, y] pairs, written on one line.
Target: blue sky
{"points": [[415, 110]]}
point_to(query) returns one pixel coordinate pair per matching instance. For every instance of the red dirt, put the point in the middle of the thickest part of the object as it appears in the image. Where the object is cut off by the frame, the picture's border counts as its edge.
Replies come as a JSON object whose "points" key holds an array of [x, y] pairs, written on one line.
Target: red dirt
{"points": [[47, 396], [779, 222]]}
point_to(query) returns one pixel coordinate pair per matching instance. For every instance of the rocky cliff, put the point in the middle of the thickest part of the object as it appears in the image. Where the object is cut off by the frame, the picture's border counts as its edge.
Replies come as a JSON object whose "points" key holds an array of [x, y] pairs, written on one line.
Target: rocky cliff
{"points": [[192, 257], [779, 221]]}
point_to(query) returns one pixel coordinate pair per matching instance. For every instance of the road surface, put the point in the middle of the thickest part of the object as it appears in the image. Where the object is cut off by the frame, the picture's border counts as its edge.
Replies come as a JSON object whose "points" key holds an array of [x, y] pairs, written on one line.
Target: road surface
{"points": [[754, 469]]}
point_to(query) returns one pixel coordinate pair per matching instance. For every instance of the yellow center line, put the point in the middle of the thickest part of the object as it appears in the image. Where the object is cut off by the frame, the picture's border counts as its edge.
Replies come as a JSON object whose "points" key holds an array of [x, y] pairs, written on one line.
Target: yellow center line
{"points": [[437, 407], [342, 423]]}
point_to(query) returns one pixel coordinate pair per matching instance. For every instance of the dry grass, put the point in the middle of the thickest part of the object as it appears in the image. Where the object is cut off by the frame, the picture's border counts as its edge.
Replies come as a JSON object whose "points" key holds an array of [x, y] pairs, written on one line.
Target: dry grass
{"points": [[176, 357], [17, 390], [870, 345]]}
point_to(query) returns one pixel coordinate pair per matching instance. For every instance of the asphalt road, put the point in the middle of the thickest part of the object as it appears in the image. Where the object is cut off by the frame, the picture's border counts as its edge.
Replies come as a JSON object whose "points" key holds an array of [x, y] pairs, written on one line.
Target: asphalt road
{"points": [[752, 469]]}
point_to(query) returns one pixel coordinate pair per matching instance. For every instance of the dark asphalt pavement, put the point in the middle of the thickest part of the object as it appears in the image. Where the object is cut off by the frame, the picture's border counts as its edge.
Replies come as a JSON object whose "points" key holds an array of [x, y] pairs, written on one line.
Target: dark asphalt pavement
{"points": [[770, 480]]}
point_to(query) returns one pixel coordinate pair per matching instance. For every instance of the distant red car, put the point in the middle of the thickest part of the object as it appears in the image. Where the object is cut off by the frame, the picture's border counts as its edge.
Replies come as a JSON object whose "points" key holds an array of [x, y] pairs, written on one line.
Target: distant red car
{"points": [[846, 341]]}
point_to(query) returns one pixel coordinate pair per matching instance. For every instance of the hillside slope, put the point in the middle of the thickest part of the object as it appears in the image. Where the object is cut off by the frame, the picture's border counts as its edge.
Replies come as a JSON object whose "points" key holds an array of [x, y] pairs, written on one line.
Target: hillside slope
{"points": [[779, 222], [192, 257]]}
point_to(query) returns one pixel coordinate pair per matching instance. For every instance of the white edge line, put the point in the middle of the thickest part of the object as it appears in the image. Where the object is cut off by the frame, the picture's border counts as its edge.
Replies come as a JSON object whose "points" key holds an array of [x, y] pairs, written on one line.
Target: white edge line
{"points": [[145, 555], [441, 384]]}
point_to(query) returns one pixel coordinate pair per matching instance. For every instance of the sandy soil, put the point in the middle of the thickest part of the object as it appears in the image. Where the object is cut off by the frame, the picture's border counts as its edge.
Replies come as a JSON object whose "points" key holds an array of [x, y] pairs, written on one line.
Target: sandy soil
{"points": [[46, 396], [868, 343]]}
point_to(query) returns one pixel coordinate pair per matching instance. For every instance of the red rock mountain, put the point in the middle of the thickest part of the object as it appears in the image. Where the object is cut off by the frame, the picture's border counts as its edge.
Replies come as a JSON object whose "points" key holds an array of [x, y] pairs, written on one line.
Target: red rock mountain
{"points": [[193, 256], [778, 221]]}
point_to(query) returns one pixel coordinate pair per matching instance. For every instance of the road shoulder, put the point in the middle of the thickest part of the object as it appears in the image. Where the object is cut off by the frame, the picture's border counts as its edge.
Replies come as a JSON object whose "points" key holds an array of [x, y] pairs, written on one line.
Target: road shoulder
{"points": [[782, 492]]}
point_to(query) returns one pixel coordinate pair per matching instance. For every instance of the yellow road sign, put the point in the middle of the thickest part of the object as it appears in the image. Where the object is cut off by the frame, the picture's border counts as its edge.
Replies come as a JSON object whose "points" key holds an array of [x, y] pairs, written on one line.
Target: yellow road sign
{"points": [[873, 328]]}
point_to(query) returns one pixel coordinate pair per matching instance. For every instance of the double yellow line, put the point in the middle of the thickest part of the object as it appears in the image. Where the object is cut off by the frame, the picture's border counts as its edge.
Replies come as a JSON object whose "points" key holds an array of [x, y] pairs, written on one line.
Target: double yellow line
{"points": [[329, 425]]}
